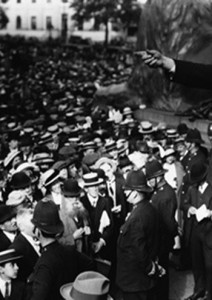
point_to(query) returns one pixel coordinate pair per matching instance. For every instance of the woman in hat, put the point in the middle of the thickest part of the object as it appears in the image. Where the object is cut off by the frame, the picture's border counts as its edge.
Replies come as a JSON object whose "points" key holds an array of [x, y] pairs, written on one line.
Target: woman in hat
{"points": [[137, 242], [50, 180]]}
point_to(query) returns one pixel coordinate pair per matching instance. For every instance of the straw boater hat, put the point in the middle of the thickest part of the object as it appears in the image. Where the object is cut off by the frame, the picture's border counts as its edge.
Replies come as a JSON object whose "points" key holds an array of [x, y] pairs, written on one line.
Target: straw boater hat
{"points": [[105, 160], [87, 286], [9, 158], [49, 177], [8, 256], [146, 127], [91, 179]]}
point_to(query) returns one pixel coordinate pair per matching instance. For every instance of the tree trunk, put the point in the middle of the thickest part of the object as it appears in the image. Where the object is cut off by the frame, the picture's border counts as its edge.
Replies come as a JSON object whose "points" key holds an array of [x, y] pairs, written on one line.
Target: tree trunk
{"points": [[106, 33]]}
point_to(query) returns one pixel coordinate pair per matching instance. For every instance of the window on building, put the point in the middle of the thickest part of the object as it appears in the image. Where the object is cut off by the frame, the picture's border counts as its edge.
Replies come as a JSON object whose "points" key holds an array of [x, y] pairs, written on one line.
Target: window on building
{"points": [[18, 22], [49, 23], [33, 23]]}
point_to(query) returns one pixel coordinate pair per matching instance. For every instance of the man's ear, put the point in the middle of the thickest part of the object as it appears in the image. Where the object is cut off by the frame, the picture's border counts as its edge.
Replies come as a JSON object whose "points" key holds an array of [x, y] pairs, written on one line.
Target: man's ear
{"points": [[1, 269]]}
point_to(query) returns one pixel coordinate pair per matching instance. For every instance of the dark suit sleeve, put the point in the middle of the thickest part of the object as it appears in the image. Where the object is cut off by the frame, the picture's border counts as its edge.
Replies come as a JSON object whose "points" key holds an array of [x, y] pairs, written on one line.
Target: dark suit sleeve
{"points": [[193, 74], [42, 283]]}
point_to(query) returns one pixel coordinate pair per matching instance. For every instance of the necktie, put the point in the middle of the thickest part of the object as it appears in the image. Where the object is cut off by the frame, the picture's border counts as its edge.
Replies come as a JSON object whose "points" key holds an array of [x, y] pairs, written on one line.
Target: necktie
{"points": [[7, 292]]}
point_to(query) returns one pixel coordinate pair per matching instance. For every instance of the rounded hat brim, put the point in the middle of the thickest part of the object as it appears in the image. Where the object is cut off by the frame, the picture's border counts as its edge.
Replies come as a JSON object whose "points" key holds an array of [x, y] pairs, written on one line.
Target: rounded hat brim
{"points": [[159, 173], [50, 229], [144, 188], [198, 178], [94, 183], [65, 291]]}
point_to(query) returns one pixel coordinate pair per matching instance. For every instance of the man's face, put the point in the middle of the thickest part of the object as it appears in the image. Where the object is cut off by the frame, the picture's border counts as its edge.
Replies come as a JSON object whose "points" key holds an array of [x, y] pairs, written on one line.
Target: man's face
{"points": [[56, 187], [126, 170], [9, 270], [10, 225], [152, 182], [16, 161], [93, 191], [108, 170], [71, 204], [13, 144], [170, 159], [26, 149], [181, 148]]}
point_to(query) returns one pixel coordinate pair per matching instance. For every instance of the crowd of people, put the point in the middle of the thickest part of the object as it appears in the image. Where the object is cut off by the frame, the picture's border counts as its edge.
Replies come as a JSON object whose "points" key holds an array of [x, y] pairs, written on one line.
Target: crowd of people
{"points": [[92, 200]]}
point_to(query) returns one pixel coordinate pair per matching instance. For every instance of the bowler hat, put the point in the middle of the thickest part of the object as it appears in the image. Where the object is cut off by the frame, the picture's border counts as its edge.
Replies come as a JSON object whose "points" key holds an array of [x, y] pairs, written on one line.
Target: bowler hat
{"points": [[193, 136], [136, 180], [20, 180], [154, 169], [87, 285], [8, 256], [71, 188], [198, 172], [46, 217], [6, 213]]}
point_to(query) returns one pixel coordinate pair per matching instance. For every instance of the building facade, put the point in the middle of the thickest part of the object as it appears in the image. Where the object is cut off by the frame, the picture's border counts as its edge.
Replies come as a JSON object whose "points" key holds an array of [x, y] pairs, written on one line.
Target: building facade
{"points": [[39, 18]]}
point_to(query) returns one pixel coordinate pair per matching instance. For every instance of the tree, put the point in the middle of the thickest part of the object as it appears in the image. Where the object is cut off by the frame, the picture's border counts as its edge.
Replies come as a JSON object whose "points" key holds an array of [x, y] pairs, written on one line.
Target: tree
{"points": [[3, 18], [103, 11]]}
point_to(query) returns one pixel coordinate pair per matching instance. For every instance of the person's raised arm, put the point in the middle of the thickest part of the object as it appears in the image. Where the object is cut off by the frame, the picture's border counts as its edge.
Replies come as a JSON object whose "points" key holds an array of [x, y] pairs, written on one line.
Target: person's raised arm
{"points": [[154, 59]]}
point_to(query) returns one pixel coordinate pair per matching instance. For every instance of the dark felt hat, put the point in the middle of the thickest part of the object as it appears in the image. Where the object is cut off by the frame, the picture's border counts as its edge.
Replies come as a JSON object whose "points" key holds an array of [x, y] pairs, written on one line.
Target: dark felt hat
{"points": [[71, 188], [194, 136], [198, 172], [6, 213], [136, 180], [154, 169], [20, 180], [46, 217]]}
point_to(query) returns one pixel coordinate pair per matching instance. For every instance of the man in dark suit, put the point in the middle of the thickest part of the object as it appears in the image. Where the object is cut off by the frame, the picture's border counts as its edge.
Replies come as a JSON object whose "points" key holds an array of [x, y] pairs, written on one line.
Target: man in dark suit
{"points": [[10, 287], [57, 264], [137, 246], [100, 214], [25, 244], [198, 207], [165, 202], [7, 226], [188, 73]]}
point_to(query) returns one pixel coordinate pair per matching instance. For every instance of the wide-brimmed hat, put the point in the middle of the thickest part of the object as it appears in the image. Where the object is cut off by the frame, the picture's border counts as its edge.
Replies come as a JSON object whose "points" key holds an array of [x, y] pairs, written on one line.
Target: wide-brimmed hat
{"points": [[136, 180], [194, 136], [20, 180], [9, 158], [49, 177], [198, 172], [91, 179], [146, 127], [127, 111], [9, 255], [124, 161], [46, 217], [6, 213], [110, 146], [87, 285], [172, 133], [16, 198], [106, 160], [154, 169], [71, 188], [169, 152]]}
